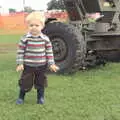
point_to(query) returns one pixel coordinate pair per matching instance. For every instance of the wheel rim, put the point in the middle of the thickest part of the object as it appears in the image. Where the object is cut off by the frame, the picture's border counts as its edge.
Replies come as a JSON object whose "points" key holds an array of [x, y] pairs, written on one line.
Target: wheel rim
{"points": [[59, 48]]}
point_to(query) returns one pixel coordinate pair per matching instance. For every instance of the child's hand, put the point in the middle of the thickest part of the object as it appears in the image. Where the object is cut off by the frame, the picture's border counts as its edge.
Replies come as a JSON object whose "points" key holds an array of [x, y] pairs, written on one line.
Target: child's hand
{"points": [[19, 68], [54, 68]]}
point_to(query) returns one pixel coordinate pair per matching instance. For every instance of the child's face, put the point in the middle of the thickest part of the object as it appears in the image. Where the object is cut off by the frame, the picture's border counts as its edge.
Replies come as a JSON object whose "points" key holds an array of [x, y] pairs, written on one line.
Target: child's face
{"points": [[35, 27]]}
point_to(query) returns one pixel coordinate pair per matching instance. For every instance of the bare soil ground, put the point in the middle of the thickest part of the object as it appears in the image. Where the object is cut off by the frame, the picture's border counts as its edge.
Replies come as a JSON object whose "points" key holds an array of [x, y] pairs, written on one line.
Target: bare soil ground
{"points": [[4, 31], [5, 48]]}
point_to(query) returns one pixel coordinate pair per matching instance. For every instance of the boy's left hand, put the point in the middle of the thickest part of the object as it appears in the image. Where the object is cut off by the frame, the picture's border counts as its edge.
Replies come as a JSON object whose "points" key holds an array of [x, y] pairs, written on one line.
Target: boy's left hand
{"points": [[54, 68]]}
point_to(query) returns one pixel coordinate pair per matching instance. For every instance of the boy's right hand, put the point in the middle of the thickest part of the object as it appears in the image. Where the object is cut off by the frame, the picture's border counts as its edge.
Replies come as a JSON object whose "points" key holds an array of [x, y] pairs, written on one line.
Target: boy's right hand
{"points": [[20, 68]]}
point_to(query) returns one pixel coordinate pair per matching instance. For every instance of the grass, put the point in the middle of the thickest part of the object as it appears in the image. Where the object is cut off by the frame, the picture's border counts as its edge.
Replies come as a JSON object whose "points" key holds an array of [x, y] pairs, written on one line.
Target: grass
{"points": [[9, 39], [87, 95]]}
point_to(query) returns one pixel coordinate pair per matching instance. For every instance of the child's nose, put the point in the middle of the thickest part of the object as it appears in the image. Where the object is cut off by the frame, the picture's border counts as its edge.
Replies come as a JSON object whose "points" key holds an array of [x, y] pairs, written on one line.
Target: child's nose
{"points": [[34, 26]]}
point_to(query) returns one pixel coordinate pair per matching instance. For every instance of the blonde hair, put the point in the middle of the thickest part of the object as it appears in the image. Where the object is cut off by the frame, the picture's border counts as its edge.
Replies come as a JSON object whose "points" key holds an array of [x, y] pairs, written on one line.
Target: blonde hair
{"points": [[36, 15]]}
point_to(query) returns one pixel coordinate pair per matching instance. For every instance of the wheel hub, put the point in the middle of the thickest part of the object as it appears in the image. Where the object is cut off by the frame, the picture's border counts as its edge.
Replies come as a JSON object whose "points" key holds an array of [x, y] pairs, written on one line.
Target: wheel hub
{"points": [[59, 49]]}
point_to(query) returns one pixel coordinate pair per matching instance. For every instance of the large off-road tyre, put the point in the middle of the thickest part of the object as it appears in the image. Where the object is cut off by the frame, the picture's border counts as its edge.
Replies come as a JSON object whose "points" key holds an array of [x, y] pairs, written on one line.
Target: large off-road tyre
{"points": [[68, 45]]}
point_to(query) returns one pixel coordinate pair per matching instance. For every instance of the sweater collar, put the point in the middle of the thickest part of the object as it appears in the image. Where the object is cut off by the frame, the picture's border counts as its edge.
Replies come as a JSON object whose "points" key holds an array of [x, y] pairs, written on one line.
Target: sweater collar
{"points": [[30, 35]]}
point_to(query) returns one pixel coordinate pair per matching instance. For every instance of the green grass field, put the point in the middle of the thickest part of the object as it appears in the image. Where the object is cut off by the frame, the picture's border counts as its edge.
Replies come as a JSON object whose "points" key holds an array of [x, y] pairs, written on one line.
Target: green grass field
{"points": [[87, 95]]}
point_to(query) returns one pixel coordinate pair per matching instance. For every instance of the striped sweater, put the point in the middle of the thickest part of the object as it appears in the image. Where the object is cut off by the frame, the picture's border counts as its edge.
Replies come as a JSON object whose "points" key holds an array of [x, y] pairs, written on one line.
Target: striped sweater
{"points": [[35, 51]]}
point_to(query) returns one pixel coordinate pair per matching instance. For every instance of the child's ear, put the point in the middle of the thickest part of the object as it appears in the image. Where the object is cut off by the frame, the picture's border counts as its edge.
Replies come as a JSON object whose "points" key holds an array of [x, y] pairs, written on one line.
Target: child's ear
{"points": [[43, 25]]}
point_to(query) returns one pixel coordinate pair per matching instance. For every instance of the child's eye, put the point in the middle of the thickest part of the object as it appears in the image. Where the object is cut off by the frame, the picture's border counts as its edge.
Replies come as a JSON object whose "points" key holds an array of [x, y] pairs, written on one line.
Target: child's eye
{"points": [[37, 25], [31, 25]]}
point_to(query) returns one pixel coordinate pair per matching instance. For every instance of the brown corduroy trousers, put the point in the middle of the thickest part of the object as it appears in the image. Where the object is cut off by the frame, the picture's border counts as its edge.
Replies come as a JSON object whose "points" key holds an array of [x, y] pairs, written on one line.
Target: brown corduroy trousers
{"points": [[33, 76]]}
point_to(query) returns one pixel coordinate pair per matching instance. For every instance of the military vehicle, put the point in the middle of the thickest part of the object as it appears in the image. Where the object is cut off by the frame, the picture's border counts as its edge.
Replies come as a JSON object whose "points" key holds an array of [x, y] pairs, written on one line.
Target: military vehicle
{"points": [[84, 41]]}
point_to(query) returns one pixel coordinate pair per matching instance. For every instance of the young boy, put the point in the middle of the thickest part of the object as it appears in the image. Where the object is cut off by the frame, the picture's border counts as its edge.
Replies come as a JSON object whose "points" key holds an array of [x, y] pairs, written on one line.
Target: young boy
{"points": [[33, 56]]}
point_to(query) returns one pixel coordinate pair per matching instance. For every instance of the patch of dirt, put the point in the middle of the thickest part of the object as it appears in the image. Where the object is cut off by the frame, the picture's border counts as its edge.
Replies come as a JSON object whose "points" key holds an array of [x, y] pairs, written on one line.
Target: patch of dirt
{"points": [[6, 44], [5, 48]]}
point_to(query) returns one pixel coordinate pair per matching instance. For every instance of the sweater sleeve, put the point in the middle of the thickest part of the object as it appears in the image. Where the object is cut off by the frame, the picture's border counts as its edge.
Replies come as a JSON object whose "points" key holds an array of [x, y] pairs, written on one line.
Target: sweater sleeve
{"points": [[20, 51], [49, 53]]}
